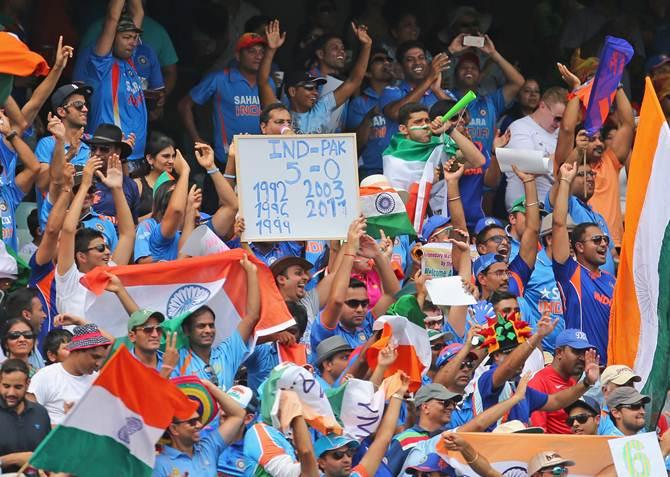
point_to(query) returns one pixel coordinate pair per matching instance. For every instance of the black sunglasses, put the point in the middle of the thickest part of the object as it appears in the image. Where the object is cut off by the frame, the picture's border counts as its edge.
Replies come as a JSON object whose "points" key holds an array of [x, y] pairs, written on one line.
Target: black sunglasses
{"points": [[149, 330], [467, 364], [356, 303], [15, 335], [339, 455], [78, 105], [211, 375], [191, 422], [308, 86], [632, 407], [598, 239], [580, 418], [100, 247]]}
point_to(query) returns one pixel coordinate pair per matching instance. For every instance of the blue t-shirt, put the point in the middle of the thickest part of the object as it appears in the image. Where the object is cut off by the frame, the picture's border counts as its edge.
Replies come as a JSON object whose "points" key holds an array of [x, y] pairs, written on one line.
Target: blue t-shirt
{"points": [[103, 201], [117, 97], [371, 156], [236, 106], [149, 242], [278, 250], [233, 462], [582, 212], [317, 119], [225, 359], [148, 67], [10, 197], [541, 294], [485, 396], [259, 364], [45, 149], [354, 338], [484, 112], [587, 299], [520, 274], [42, 278], [206, 454]]}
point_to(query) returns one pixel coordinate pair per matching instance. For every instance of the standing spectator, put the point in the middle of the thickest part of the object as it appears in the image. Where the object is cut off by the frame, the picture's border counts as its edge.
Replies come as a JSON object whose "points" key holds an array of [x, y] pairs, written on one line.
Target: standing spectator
{"points": [[330, 56], [23, 423], [118, 102], [568, 364], [59, 386], [235, 94], [586, 290], [365, 117], [311, 113], [161, 156]]}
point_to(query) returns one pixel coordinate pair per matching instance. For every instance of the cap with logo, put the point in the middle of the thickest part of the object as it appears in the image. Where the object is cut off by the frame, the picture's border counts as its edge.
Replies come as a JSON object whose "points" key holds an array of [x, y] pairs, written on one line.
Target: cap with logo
{"points": [[547, 459], [299, 78], [573, 338], [486, 223], [448, 352], [585, 402], [625, 396], [140, 317], [483, 262], [618, 374], [60, 96], [431, 391], [331, 442], [434, 225], [245, 397], [432, 463]]}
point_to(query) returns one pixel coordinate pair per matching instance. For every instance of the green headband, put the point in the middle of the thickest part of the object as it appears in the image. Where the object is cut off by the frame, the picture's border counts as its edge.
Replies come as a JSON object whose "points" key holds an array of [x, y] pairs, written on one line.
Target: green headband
{"points": [[162, 179]]}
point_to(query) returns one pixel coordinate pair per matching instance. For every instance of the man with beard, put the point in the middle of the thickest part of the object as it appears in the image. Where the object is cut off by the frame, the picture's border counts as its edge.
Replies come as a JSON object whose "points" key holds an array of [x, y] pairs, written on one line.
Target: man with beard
{"points": [[568, 364], [627, 411], [586, 290], [23, 423]]}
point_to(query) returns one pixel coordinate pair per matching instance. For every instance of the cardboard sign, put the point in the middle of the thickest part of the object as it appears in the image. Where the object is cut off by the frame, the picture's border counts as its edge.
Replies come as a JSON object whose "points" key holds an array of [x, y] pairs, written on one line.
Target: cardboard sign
{"points": [[448, 291], [203, 242], [527, 160], [297, 187], [436, 260], [637, 456]]}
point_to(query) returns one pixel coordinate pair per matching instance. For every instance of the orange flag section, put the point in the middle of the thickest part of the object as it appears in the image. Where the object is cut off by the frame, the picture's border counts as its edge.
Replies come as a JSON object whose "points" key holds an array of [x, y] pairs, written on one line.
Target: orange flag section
{"points": [[16, 59]]}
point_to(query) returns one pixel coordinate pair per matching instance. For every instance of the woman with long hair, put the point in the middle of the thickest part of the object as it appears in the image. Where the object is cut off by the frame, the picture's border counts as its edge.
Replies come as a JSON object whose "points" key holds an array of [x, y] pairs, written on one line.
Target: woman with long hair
{"points": [[18, 341], [160, 155]]}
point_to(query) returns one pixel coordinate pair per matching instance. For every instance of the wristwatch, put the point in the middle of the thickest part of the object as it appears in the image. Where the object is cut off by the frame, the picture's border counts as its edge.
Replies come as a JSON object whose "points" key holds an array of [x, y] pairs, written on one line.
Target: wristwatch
{"points": [[583, 381]]}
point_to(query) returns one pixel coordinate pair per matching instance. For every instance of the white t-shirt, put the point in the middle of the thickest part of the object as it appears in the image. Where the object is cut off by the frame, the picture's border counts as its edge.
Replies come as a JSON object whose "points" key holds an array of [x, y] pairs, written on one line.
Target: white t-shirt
{"points": [[53, 387], [527, 134], [70, 293]]}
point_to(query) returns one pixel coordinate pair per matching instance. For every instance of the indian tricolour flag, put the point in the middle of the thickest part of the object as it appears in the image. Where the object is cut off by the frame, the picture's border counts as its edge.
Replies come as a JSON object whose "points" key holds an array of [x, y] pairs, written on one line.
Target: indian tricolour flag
{"points": [[180, 286], [640, 318], [410, 165], [384, 210], [112, 430]]}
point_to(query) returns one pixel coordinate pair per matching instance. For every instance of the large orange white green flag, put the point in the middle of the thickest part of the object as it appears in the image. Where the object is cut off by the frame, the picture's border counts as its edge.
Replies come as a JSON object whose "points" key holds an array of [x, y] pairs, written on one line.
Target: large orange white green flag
{"points": [[178, 287], [639, 330], [112, 430]]}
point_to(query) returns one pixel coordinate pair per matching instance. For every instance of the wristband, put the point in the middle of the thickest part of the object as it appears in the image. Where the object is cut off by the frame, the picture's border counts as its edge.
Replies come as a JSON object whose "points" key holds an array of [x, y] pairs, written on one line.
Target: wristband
{"points": [[454, 198], [229, 176], [473, 460], [11, 135], [532, 204], [213, 171], [583, 381]]}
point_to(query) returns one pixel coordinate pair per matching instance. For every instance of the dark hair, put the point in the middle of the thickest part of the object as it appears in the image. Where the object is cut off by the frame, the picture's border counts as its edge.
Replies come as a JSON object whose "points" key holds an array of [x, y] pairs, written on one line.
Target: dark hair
{"points": [[8, 326], [607, 127], [264, 117], [255, 22], [578, 232], [157, 142], [13, 366], [498, 296], [188, 321], [84, 237], [356, 283], [441, 108], [407, 110], [320, 43], [480, 238], [52, 342], [299, 314], [19, 300], [404, 47], [162, 197], [33, 222]]}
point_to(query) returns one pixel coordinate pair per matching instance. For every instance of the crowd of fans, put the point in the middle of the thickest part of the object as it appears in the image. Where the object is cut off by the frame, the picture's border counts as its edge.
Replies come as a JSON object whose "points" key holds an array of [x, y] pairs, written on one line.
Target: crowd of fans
{"points": [[94, 181]]}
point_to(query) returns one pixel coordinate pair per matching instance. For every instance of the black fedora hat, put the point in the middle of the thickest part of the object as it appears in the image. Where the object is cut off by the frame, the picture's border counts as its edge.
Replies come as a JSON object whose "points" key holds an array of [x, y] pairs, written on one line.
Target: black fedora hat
{"points": [[109, 134]]}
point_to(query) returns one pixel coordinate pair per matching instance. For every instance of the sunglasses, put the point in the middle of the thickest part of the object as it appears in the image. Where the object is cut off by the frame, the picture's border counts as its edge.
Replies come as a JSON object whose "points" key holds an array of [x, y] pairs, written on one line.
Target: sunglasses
{"points": [[339, 455], [586, 173], [580, 418], [211, 375], [149, 330], [78, 105], [558, 470], [15, 335], [191, 422], [498, 239], [308, 86], [632, 407], [449, 403], [356, 303], [598, 239], [99, 248], [99, 148], [467, 364]]}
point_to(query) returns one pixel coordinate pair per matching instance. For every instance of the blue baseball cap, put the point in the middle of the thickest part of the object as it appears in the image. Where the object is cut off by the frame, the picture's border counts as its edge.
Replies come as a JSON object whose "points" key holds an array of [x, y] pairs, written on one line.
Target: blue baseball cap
{"points": [[332, 442], [432, 224], [487, 222], [486, 260], [432, 463], [585, 402], [656, 61], [573, 338]]}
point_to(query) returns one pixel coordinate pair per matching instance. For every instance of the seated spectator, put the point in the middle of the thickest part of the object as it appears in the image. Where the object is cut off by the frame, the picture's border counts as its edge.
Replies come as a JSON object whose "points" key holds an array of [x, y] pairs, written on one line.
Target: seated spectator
{"points": [[613, 377], [25, 303], [59, 386], [583, 416], [527, 101], [161, 156], [311, 114], [23, 423], [626, 408], [19, 342], [548, 463]]}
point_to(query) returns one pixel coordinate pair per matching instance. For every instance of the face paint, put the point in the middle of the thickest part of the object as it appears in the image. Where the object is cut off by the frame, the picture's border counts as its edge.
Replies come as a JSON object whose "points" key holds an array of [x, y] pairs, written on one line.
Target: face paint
{"points": [[418, 128]]}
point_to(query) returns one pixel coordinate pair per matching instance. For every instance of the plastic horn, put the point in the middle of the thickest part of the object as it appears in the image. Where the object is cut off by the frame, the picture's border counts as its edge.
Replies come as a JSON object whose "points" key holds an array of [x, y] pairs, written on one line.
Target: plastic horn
{"points": [[462, 103]]}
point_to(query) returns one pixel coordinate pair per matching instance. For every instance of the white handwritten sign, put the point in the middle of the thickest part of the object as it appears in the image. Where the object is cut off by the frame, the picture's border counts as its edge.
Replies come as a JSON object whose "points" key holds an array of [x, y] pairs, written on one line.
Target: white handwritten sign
{"points": [[297, 187], [637, 456], [203, 241]]}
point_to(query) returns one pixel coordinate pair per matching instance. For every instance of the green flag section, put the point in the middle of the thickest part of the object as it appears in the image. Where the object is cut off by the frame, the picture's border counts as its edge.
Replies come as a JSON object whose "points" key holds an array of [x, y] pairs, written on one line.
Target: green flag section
{"points": [[113, 429], [384, 210]]}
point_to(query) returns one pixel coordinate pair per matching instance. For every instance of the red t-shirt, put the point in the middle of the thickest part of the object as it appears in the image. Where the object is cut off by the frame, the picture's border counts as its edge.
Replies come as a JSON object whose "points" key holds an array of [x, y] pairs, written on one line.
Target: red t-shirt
{"points": [[549, 381]]}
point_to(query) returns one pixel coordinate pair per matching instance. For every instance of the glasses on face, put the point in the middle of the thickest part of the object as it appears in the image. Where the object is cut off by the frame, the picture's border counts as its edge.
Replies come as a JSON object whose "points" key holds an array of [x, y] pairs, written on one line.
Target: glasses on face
{"points": [[448, 404], [15, 335], [633, 407], [339, 455], [580, 418], [598, 239], [99, 248], [95, 148], [194, 421], [354, 304], [498, 239], [586, 173], [211, 375], [149, 330], [467, 364], [556, 118], [500, 273], [78, 105], [558, 470], [436, 346]]}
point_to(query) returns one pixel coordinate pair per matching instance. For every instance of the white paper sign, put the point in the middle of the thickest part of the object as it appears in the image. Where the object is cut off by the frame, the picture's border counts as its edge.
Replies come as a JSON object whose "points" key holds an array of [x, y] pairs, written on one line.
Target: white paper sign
{"points": [[526, 160], [203, 242], [448, 291], [297, 187], [637, 456]]}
